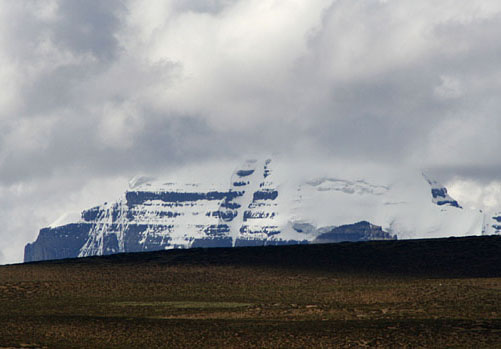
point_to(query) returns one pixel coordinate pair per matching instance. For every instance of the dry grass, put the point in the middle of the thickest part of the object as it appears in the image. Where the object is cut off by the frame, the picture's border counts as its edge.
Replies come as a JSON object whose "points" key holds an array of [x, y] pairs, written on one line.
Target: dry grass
{"points": [[223, 306], [148, 301]]}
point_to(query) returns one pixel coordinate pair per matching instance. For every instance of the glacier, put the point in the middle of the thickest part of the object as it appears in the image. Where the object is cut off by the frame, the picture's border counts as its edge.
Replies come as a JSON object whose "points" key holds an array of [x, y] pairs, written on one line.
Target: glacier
{"points": [[265, 203]]}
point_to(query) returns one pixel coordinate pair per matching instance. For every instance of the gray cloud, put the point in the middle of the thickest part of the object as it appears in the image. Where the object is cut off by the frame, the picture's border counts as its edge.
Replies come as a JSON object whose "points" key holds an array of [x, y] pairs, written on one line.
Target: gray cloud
{"points": [[96, 92], [209, 6], [89, 27]]}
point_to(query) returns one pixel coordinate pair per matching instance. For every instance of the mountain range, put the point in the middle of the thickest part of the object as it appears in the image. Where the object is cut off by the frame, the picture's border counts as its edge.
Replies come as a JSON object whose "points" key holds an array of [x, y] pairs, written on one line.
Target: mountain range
{"points": [[262, 205]]}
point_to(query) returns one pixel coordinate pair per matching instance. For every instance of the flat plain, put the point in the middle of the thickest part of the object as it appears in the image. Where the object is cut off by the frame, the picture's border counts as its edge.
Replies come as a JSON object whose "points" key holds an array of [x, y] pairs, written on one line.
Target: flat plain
{"points": [[420, 293]]}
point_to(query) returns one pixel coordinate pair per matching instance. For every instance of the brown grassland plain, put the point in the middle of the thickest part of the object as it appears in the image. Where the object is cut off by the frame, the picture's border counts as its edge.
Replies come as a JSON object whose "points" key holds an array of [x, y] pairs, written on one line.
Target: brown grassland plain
{"points": [[156, 300]]}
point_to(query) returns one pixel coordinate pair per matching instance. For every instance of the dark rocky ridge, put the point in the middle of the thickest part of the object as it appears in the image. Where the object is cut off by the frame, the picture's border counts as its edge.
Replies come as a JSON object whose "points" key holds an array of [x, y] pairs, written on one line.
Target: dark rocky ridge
{"points": [[361, 231]]}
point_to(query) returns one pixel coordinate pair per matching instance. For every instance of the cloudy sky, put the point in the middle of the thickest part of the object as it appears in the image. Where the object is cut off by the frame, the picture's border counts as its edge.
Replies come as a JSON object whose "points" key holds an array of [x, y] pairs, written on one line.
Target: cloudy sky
{"points": [[95, 92]]}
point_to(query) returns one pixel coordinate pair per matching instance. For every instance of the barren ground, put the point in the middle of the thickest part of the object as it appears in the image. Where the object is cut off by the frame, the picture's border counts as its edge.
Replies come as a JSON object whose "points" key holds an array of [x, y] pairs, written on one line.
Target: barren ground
{"points": [[153, 300]]}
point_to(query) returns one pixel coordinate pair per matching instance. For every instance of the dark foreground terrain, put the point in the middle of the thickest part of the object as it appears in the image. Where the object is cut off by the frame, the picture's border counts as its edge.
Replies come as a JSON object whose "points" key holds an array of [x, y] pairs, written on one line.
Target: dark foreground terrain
{"points": [[421, 293]]}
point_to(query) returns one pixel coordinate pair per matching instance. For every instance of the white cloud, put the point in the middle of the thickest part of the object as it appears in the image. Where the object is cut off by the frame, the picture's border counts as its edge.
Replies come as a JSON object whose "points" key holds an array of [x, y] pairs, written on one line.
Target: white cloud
{"points": [[227, 58], [474, 195], [119, 125]]}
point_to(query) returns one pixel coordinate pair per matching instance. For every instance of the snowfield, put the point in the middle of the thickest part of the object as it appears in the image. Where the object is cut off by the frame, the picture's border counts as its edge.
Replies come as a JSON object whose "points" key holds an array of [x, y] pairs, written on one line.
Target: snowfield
{"points": [[265, 202]]}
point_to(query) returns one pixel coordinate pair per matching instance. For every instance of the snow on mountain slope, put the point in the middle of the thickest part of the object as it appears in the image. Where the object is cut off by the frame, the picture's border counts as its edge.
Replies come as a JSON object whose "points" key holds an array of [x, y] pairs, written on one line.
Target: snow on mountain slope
{"points": [[439, 193], [66, 218], [406, 207], [264, 203], [492, 223]]}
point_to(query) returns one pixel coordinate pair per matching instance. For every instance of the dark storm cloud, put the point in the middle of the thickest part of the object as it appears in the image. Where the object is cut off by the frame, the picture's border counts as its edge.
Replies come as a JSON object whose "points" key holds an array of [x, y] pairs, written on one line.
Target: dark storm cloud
{"points": [[95, 92]]}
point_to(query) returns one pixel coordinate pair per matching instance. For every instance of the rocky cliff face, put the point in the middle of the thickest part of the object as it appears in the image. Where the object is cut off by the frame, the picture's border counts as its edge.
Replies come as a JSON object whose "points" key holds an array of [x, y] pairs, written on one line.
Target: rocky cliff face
{"points": [[154, 216], [257, 208], [58, 242], [361, 231]]}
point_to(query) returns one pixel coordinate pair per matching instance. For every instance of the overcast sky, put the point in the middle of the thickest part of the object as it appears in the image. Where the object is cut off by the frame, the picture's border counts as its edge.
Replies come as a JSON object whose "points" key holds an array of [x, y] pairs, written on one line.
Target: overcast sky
{"points": [[95, 92]]}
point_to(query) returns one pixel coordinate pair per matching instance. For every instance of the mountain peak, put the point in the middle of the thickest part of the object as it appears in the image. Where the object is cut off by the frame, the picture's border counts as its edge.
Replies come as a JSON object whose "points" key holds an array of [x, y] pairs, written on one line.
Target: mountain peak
{"points": [[264, 204]]}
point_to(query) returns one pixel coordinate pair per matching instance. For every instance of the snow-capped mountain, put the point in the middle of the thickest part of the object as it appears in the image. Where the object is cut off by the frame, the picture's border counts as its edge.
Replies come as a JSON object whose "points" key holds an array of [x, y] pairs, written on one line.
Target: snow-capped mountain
{"points": [[263, 204]]}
